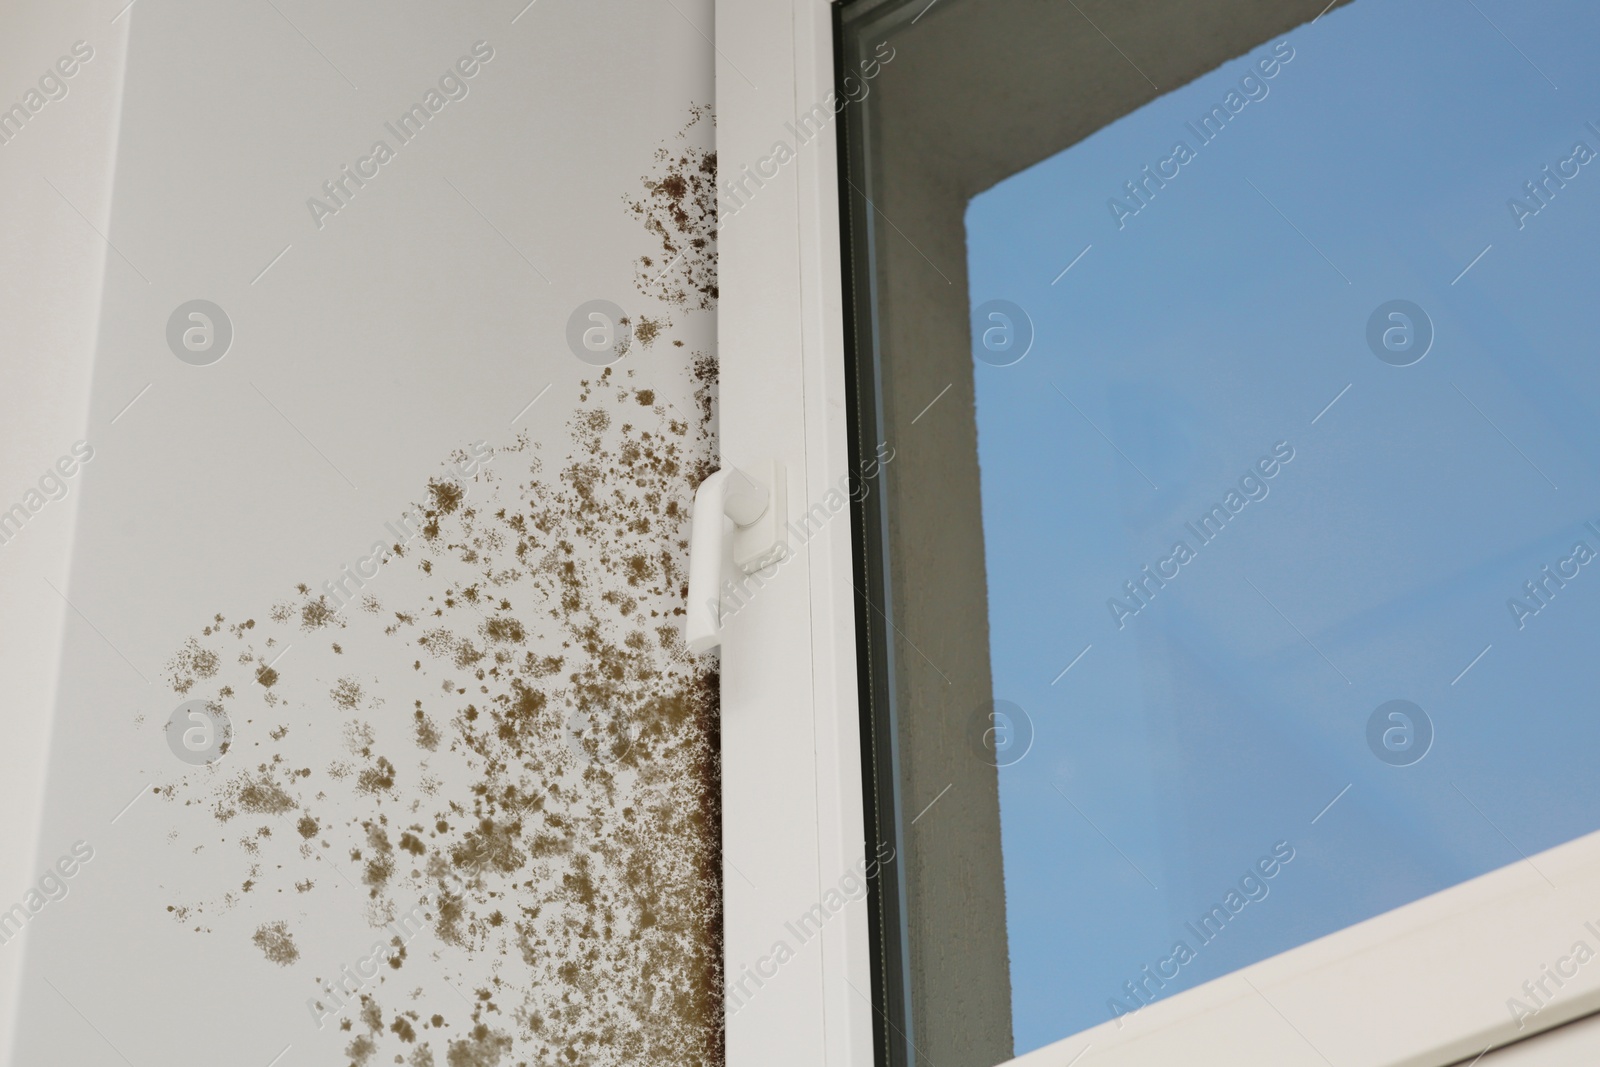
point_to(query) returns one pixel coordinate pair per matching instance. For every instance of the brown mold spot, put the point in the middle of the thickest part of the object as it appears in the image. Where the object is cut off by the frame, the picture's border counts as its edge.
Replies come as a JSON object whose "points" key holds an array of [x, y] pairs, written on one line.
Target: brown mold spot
{"points": [[315, 614], [376, 779], [192, 663], [427, 735], [346, 694], [380, 867], [276, 943], [361, 1050], [262, 796], [679, 207], [505, 630], [559, 879], [445, 495], [485, 1048]]}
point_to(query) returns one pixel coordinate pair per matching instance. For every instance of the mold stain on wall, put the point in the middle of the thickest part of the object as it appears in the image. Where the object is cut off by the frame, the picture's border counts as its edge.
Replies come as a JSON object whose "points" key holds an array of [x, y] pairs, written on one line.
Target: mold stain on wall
{"points": [[496, 762], [679, 206]]}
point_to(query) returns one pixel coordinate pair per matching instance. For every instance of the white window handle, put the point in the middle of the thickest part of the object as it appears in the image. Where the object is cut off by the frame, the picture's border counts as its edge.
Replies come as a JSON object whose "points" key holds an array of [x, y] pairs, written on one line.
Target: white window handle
{"points": [[757, 508]]}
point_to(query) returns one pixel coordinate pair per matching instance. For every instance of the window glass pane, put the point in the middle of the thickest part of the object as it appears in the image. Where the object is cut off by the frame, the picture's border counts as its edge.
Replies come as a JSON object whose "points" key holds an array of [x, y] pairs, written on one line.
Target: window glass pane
{"points": [[1307, 512], [1282, 390]]}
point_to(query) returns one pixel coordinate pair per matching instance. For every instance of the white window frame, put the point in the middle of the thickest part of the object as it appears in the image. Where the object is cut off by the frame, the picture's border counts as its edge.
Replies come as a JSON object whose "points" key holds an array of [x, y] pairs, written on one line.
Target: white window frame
{"points": [[1425, 985], [792, 798]]}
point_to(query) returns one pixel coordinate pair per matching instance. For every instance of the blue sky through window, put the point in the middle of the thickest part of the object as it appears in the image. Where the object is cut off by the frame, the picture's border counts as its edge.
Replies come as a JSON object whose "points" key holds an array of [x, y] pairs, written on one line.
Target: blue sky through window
{"points": [[1196, 345]]}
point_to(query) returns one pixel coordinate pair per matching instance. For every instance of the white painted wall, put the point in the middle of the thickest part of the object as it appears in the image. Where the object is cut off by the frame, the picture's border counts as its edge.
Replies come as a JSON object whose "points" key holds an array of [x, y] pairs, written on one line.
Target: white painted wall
{"points": [[424, 315]]}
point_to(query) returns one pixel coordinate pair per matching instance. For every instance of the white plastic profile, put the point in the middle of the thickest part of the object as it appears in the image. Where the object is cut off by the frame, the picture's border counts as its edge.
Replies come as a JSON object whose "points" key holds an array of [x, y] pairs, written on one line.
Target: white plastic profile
{"points": [[757, 511]]}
